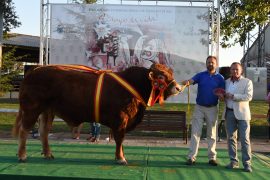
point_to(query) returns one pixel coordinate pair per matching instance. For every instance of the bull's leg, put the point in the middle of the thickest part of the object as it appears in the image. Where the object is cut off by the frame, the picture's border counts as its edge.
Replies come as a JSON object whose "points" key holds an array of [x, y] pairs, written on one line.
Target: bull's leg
{"points": [[110, 135], [22, 145], [45, 123], [119, 152], [25, 123]]}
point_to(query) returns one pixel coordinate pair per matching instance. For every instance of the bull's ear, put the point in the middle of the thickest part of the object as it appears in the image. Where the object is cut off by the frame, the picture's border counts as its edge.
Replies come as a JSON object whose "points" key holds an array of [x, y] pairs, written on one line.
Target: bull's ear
{"points": [[153, 64], [151, 75]]}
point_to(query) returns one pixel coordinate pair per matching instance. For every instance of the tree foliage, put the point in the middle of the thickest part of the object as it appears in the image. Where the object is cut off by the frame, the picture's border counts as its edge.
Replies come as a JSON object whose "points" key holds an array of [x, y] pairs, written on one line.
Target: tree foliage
{"points": [[10, 68], [10, 65], [238, 17], [10, 20]]}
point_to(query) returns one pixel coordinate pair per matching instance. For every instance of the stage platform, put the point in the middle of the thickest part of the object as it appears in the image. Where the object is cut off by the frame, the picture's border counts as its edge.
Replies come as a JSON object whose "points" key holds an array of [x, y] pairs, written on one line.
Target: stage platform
{"points": [[95, 161]]}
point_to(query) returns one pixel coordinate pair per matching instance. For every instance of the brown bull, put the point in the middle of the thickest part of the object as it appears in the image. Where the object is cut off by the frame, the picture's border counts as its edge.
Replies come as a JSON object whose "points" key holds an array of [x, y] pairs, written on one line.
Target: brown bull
{"points": [[71, 95]]}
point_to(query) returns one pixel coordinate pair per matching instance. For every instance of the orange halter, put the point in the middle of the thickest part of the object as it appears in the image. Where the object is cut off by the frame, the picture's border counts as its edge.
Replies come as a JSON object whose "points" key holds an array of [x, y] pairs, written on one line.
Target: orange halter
{"points": [[157, 84]]}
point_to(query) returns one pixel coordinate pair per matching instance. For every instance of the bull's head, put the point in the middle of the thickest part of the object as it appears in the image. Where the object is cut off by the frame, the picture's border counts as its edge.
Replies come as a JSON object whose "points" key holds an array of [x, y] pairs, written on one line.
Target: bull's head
{"points": [[163, 83]]}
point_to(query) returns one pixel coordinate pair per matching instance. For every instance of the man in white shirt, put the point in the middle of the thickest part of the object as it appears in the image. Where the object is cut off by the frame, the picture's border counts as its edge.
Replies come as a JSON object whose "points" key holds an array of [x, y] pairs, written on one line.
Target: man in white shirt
{"points": [[239, 92]]}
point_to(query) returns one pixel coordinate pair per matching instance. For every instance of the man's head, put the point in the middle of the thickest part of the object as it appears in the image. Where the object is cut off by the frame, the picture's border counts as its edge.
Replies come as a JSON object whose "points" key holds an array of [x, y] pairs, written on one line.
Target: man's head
{"points": [[236, 70], [211, 63]]}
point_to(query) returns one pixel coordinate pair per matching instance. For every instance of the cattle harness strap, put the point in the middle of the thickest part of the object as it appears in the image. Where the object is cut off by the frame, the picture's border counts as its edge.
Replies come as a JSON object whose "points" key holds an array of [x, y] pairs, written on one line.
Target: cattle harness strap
{"points": [[99, 84], [80, 68], [97, 96], [157, 84], [121, 81]]}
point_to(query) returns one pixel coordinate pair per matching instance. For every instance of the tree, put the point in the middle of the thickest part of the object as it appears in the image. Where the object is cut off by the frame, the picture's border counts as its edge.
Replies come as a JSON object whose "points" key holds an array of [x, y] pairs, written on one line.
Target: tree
{"points": [[238, 17], [10, 67], [10, 19]]}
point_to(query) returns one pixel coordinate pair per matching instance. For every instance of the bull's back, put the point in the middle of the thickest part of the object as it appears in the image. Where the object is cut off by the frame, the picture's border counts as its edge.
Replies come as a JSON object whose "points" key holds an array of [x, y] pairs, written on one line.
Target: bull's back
{"points": [[67, 93]]}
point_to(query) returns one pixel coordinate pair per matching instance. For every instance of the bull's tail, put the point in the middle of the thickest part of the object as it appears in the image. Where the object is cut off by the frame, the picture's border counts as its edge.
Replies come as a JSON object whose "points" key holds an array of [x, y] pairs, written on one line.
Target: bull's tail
{"points": [[17, 124]]}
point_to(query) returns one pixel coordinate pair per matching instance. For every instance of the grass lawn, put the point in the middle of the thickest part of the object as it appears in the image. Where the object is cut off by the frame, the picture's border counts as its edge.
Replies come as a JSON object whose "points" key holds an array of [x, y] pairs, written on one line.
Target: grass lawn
{"points": [[258, 122]]}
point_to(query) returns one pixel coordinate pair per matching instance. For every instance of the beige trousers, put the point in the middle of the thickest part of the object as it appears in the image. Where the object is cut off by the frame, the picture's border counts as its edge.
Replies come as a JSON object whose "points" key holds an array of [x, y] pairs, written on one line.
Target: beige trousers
{"points": [[209, 114]]}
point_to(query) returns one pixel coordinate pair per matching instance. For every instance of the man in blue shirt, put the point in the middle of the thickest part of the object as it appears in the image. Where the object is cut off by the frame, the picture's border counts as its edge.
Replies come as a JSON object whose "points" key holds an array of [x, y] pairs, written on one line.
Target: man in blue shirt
{"points": [[205, 109]]}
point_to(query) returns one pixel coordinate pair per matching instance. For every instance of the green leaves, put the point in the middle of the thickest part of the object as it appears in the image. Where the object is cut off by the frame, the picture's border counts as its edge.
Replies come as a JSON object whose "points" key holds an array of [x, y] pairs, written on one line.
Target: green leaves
{"points": [[9, 70], [238, 17], [10, 66], [10, 20]]}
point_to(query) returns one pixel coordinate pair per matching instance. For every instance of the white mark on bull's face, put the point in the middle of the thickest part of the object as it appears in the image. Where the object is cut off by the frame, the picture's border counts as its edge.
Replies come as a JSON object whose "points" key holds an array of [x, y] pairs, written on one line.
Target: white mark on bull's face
{"points": [[173, 89], [176, 89]]}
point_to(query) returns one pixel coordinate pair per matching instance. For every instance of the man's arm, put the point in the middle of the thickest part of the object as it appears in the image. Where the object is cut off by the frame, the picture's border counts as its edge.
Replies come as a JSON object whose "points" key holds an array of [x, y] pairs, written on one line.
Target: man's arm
{"points": [[188, 82]]}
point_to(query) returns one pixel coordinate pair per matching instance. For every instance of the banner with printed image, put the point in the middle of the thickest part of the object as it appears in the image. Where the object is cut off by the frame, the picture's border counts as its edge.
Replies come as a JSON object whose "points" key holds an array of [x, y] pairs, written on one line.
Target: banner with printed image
{"points": [[119, 36]]}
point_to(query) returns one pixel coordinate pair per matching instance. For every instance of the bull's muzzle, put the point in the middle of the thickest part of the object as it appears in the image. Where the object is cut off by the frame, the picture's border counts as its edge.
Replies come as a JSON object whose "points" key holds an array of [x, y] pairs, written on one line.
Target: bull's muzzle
{"points": [[177, 88]]}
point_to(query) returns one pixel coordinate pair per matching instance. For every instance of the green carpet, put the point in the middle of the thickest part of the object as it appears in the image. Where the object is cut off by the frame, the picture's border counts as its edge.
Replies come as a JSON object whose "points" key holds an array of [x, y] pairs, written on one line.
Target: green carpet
{"points": [[92, 161]]}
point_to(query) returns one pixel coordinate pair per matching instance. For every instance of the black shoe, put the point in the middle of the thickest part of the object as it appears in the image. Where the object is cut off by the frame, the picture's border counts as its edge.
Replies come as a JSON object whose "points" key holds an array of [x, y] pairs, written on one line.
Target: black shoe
{"points": [[232, 165], [213, 162], [89, 138], [247, 168], [190, 162]]}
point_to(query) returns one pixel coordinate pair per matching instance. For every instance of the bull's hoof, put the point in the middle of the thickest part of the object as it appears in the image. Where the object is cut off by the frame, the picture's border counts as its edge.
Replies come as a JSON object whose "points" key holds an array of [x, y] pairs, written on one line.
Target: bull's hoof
{"points": [[47, 155], [22, 160], [121, 161]]}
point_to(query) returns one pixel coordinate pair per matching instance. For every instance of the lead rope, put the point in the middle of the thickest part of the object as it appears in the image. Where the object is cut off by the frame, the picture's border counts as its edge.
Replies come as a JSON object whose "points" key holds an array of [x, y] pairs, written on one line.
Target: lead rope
{"points": [[188, 111], [188, 106]]}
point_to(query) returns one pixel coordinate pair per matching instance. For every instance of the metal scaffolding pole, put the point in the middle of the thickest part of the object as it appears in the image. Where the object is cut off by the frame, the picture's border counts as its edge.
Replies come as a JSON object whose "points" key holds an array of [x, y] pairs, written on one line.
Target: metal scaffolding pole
{"points": [[44, 32], [47, 34], [218, 29], [212, 30], [41, 49]]}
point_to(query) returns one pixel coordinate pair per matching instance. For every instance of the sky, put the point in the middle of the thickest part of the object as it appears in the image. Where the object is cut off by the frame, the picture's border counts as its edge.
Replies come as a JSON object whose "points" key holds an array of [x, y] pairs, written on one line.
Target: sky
{"points": [[29, 15]]}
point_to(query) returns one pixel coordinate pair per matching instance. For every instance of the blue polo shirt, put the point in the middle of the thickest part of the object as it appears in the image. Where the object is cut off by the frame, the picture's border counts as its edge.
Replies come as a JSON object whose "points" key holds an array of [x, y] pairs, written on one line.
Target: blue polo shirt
{"points": [[206, 85]]}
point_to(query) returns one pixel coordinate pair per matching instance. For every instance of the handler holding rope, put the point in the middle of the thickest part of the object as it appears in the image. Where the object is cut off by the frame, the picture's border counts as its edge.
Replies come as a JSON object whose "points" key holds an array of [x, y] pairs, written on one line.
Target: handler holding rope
{"points": [[205, 109]]}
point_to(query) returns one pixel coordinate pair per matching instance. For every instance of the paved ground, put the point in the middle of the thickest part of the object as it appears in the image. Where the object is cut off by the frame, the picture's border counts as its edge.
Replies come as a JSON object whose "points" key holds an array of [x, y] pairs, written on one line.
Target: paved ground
{"points": [[258, 145]]}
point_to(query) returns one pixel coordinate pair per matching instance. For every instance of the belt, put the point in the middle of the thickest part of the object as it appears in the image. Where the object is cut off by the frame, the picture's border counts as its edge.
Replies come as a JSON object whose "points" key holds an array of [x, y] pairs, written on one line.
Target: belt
{"points": [[208, 106], [229, 109]]}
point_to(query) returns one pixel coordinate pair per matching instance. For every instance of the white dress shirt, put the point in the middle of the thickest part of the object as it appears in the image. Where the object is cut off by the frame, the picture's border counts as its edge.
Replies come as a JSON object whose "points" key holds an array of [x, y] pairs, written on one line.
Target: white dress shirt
{"points": [[231, 89]]}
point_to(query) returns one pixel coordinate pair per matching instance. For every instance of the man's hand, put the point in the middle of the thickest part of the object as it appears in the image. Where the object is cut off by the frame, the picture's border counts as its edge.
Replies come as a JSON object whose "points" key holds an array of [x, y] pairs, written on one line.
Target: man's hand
{"points": [[221, 97], [229, 96], [187, 82]]}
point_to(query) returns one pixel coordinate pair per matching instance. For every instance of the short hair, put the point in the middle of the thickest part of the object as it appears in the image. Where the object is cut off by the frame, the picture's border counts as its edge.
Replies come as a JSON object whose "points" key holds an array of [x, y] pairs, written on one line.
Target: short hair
{"points": [[214, 57], [237, 63]]}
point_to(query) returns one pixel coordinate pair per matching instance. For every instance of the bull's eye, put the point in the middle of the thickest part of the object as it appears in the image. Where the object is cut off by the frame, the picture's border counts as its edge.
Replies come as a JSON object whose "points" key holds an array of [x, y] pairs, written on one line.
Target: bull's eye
{"points": [[161, 77]]}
